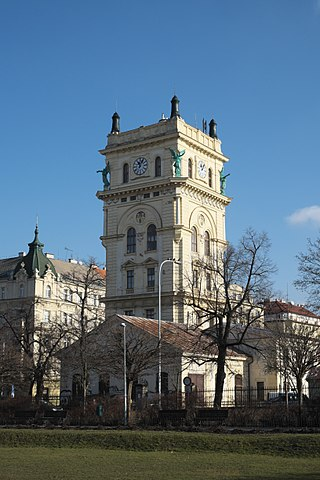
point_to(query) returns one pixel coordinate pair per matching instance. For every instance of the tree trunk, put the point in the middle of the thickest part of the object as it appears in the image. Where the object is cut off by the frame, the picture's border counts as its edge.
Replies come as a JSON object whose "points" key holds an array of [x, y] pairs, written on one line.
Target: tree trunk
{"points": [[220, 376], [299, 389]]}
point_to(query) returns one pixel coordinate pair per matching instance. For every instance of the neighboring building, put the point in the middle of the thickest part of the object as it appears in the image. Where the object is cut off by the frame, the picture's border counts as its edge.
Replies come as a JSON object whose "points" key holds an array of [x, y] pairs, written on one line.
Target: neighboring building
{"points": [[164, 198], [281, 311], [286, 319], [185, 353], [44, 288]]}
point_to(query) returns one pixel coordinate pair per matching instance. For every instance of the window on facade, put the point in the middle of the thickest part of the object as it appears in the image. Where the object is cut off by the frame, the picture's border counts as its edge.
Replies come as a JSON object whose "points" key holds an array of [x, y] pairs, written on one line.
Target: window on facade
{"points": [[130, 313], [207, 244], [131, 240], [46, 316], [126, 173], [195, 279], [48, 291], [150, 313], [151, 238], [21, 290], [260, 391], [77, 386], [3, 293], [157, 172], [208, 282], [151, 277], [190, 168], [96, 300], [130, 279], [210, 177], [67, 295], [164, 383], [194, 242], [238, 389]]}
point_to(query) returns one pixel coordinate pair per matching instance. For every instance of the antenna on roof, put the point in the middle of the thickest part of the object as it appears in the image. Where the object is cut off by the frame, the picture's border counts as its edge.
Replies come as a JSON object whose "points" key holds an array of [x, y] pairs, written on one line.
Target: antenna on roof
{"points": [[69, 250]]}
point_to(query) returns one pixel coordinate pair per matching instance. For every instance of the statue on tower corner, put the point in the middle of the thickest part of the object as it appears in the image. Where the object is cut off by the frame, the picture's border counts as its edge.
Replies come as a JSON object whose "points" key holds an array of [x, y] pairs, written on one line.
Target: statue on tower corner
{"points": [[223, 181], [176, 164], [106, 176]]}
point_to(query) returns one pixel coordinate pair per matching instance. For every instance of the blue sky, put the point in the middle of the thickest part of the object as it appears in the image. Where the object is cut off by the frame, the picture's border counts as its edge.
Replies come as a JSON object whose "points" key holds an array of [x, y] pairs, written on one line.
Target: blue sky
{"points": [[66, 66]]}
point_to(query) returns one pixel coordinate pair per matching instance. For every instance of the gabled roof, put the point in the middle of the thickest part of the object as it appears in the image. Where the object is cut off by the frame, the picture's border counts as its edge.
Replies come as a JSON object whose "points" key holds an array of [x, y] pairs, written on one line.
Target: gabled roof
{"points": [[179, 335], [278, 306]]}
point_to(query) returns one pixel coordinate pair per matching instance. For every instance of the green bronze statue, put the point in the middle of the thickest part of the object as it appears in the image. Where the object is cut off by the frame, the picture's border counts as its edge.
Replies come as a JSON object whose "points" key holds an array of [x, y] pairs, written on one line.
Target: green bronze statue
{"points": [[106, 176], [223, 181], [176, 164]]}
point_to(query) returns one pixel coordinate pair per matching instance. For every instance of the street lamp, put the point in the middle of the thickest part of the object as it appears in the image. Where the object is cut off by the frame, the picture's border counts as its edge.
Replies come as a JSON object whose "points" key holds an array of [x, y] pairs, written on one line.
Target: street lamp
{"points": [[125, 374], [170, 260]]}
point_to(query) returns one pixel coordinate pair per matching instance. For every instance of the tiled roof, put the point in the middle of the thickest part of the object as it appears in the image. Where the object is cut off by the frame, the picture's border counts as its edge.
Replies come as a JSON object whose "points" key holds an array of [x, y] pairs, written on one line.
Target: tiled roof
{"points": [[7, 266], [277, 306], [186, 339]]}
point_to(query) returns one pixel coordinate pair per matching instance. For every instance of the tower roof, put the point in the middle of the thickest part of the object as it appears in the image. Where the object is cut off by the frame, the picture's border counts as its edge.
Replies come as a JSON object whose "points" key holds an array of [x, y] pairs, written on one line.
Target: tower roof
{"points": [[35, 260]]}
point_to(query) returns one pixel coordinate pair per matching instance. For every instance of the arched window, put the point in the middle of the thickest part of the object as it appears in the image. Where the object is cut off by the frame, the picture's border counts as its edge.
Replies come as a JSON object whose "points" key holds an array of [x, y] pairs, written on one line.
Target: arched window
{"points": [[125, 173], [48, 291], [210, 177], [152, 238], [190, 168], [206, 244], [157, 171], [194, 240], [131, 240]]}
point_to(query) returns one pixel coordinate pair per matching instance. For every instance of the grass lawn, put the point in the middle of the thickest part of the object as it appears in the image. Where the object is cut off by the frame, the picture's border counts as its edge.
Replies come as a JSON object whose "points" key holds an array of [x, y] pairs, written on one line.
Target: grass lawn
{"points": [[93, 455], [95, 464]]}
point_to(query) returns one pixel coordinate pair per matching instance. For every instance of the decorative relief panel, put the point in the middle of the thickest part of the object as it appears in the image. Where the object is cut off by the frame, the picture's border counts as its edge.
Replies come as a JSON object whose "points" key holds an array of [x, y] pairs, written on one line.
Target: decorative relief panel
{"points": [[140, 217]]}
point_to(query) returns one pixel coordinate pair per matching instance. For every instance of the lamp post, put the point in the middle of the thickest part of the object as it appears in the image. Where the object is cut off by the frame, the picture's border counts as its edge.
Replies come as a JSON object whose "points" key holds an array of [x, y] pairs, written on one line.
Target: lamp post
{"points": [[169, 260], [125, 374]]}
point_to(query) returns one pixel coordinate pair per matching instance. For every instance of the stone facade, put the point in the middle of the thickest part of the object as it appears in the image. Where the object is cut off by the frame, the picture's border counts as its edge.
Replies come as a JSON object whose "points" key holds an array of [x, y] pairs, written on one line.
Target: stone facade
{"points": [[152, 210]]}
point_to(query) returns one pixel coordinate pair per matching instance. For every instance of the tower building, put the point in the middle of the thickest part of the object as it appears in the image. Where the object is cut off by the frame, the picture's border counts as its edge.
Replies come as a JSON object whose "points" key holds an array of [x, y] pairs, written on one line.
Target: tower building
{"points": [[163, 198]]}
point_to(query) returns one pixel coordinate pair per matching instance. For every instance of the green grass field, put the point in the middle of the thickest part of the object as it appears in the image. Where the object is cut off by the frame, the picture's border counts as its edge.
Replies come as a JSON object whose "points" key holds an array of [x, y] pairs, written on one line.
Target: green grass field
{"points": [[156, 455]]}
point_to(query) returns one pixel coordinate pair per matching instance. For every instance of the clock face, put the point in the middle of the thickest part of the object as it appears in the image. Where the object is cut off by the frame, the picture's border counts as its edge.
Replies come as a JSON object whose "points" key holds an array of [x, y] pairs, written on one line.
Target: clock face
{"points": [[140, 166], [202, 169]]}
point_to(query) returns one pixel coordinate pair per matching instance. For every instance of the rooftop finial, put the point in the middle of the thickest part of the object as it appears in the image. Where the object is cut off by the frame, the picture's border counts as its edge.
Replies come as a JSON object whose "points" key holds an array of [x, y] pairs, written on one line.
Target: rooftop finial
{"points": [[115, 123], [175, 107], [213, 129]]}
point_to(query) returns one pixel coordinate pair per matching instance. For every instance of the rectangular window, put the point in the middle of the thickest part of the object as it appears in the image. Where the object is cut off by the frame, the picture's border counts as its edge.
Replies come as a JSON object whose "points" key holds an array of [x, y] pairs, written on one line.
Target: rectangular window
{"points": [[150, 313], [46, 316], [146, 195], [195, 279], [156, 194], [3, 293], [130, 279], [151, 277], [260, 391], [123, 199], [208, 282], [133, 197], [130, 313]]}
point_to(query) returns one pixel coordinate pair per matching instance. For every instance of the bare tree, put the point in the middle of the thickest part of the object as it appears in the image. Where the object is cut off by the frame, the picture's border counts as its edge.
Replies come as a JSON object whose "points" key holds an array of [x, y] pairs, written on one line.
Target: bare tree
{"points": [[226, 290], [33, 345], [83, 285], [142, 355], [293, 350], [309, 273]]}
